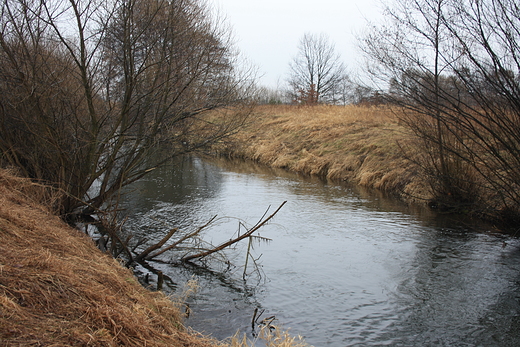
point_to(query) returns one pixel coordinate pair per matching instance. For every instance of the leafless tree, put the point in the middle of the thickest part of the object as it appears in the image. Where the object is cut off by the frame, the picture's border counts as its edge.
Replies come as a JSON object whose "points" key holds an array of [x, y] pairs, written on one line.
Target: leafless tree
{"points": [[454, 68], [272, 96], [94, 94], [408, 53], [316, 72]]}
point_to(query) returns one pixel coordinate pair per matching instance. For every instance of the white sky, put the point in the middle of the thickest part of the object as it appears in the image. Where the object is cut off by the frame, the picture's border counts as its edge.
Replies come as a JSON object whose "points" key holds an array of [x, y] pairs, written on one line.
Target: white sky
{"points": [[267, 32]]}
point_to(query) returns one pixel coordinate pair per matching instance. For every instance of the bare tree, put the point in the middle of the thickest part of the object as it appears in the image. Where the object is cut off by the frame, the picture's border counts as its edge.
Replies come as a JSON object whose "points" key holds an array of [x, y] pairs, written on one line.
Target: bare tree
{"points": [[487, 64], [454, 68], [316, 72], [272, 96], [95, 94], [408, 52]]}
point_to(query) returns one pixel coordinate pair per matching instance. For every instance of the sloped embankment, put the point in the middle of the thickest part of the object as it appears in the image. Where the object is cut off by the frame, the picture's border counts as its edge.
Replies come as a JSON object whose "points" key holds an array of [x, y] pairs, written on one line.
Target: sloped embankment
{"points": [[361, 145], [57, 288]]}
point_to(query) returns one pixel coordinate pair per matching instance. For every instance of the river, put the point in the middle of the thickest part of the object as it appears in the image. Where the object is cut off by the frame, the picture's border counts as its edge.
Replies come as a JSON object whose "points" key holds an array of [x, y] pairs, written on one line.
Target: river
{"points": [[345, 266]]}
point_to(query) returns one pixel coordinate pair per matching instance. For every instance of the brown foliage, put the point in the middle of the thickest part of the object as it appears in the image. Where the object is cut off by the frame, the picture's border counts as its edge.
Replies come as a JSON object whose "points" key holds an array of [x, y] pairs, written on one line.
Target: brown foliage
{"points": [[357, 144]]}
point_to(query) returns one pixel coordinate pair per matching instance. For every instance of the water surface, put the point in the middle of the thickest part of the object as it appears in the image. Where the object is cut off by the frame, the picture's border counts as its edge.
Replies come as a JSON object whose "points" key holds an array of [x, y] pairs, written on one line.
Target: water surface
{"points": [[345, 267]]}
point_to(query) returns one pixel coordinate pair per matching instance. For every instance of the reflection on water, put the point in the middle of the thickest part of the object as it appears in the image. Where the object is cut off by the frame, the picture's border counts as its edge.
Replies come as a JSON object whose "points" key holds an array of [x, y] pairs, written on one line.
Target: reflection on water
{"points": [[346, 266]]}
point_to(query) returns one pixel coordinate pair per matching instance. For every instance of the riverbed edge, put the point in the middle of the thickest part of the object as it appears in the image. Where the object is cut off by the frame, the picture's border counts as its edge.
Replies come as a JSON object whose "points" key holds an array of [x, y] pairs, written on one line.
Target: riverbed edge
{"points": [[59, 289], [281, 137]]}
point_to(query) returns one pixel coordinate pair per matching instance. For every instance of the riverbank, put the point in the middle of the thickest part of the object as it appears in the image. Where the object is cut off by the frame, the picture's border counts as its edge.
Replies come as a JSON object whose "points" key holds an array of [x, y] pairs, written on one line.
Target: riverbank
{"points": [[358, 144], [58, 289]]}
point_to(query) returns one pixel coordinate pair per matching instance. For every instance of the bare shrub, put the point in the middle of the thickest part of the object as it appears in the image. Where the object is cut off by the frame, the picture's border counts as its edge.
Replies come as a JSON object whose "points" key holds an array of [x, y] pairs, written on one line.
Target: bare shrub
{"points": [[96, 94]]}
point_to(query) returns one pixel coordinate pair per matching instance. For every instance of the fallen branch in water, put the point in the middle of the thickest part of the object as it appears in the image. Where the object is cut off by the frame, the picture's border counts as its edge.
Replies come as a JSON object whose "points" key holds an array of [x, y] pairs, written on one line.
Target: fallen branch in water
{"points": [[155, 250], [158, 245], [232, 241], [176, 243]]}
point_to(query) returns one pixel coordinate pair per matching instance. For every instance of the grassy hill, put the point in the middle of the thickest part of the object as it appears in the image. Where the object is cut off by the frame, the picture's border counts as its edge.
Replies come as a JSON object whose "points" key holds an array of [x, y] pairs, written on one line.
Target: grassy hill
{"points": [[362, 145], [58, 289]]}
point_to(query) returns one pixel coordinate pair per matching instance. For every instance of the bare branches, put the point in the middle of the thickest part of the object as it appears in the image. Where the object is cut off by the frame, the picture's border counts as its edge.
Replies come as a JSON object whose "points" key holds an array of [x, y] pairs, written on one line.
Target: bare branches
{"points": [[158, 245], [93, 92], [152, 252], [454, 68], [182, 239], [316, 72], [233, 241]]}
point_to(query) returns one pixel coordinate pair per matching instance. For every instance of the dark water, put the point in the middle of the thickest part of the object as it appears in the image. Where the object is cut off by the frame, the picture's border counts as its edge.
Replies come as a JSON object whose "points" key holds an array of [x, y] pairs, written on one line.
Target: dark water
{"points": [[345, 267]]}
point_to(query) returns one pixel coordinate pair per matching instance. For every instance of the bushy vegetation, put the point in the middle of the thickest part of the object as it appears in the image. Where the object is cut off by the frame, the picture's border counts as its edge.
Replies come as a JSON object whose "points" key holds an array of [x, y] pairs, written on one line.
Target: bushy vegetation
{"points": [[453, 68], [95, 94]]}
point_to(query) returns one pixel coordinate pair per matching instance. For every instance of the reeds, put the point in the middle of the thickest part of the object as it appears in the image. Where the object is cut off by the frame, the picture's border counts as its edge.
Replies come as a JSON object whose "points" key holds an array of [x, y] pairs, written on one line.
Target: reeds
{"points": [[269, 336]]}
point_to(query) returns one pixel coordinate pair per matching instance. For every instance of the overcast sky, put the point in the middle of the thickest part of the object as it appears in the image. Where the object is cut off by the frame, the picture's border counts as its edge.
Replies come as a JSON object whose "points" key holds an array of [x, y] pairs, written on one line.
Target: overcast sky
{"points": [[267, 32]]}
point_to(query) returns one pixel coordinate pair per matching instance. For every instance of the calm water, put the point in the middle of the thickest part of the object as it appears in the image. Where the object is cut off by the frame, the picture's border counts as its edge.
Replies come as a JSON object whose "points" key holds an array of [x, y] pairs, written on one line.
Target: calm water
{"points": [[345, 267]]}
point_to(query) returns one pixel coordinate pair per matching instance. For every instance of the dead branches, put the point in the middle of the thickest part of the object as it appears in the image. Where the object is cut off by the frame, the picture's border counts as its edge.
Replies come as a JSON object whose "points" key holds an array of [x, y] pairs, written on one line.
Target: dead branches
{"points": [[158, 245], [232, 241], [153, 251], [176, 243]]}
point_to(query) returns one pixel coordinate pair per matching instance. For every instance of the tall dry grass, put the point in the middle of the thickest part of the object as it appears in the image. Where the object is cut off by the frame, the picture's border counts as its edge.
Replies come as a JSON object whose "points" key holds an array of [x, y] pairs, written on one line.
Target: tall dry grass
{"points": [[269, 336], [58, 289], [359, 144]]}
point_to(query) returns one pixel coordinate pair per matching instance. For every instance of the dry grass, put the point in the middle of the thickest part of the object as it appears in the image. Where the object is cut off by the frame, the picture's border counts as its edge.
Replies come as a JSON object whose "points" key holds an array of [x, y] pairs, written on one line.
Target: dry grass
{"points": [[354, 143], [270, 336], [58, 289]]}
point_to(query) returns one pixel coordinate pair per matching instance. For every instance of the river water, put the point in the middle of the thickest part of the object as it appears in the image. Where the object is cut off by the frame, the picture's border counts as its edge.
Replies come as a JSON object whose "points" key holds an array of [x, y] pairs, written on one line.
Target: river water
{"points": [[344, 267]]}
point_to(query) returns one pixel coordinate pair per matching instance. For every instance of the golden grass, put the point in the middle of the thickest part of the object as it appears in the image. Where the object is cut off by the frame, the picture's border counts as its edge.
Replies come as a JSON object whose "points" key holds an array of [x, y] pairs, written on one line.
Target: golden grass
{"points": [[358, 144], [58, 289], [271, 336]]}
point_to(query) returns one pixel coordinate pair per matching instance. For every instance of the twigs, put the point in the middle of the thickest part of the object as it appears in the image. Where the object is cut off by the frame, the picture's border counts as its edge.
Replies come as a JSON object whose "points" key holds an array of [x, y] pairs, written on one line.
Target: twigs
{"points": [[191, 247], [189, 236], [158, 245], [249, 255], [266, 322], [232, 241]]}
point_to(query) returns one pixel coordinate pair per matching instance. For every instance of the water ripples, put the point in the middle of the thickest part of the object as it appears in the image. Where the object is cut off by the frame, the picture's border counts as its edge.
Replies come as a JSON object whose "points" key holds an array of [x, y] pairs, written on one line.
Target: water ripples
{"points": [[345, 266]]}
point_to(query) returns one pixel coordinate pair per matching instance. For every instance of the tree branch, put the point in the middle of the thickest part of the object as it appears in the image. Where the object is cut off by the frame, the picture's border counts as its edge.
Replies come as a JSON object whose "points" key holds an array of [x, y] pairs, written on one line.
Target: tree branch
{"points": [[232, 241]]}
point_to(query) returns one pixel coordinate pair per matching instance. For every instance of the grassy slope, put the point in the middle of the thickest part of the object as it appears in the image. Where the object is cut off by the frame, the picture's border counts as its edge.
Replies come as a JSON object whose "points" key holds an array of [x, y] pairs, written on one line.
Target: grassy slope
{"points": [[57, 288], [355, 144]]}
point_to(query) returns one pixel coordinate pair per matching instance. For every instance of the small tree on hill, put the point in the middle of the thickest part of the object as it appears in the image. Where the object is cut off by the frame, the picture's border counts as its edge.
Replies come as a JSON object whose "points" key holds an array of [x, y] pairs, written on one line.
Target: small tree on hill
{"points": [[316, 72], [308, 97]]}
